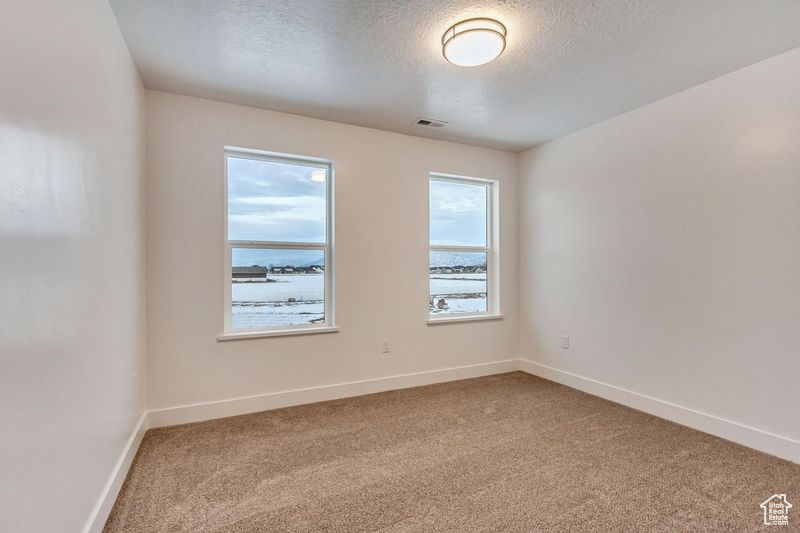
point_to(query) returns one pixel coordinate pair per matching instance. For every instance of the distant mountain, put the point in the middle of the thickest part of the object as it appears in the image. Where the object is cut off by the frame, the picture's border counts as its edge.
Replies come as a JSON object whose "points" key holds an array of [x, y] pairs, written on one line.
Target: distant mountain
{"points": [[451, 259], [272, 257], [289, 259]]}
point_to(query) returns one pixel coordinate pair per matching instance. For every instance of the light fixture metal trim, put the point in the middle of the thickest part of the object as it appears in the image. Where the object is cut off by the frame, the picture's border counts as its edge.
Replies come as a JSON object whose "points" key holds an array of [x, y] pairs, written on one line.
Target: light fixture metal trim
{"points": [[474, 25]]}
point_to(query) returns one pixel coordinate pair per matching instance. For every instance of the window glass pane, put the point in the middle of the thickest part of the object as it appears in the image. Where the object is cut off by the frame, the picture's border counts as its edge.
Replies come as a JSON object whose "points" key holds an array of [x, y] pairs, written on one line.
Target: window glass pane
{"points": [[272, 201], [276, 287], [457, 282], [458, 213]]}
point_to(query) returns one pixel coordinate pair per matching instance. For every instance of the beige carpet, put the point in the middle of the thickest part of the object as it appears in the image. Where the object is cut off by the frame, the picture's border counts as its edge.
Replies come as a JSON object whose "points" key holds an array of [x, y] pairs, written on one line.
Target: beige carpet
{"points": [[503, 453]]}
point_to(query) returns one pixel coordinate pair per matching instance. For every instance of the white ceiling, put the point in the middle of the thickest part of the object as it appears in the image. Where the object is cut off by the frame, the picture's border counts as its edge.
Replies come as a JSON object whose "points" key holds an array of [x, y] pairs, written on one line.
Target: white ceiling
{"points": [[377, 63]]}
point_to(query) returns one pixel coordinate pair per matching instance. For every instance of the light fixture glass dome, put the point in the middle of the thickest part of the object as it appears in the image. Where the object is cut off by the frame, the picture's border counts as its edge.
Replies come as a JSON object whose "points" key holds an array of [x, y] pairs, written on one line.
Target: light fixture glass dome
{"points": [[318, 175], [474, 42]]}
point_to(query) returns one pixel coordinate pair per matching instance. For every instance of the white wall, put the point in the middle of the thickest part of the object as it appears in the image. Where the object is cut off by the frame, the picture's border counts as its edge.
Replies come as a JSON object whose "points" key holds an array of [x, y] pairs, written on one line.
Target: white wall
{"points": [[666, 243], [381, 255], [71, 258]]}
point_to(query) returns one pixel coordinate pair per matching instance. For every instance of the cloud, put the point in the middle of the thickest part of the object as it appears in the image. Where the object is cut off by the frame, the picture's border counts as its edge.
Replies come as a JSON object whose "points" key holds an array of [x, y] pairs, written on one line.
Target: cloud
{"points": [[271, 201], [457, 213]]}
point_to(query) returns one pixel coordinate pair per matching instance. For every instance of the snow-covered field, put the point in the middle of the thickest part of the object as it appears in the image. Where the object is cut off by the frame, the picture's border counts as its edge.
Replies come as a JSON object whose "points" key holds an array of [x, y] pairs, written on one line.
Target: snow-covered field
{"points": [[258, 305], [464, 293]]}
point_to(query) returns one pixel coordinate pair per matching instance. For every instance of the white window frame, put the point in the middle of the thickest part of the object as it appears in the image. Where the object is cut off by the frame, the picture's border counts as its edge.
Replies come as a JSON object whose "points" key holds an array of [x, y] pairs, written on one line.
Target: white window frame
{"points": [[327, 248], [491, 249]]}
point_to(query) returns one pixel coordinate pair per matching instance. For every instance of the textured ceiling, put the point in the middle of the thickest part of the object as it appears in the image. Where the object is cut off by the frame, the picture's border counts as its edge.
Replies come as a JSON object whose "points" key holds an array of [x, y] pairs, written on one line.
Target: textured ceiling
{"points": [[376, 63]]}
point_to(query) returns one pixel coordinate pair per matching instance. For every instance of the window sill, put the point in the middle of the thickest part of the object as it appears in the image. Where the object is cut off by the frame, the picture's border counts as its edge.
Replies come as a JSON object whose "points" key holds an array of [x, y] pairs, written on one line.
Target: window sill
{"points": [[457, 319], [277, 333]]}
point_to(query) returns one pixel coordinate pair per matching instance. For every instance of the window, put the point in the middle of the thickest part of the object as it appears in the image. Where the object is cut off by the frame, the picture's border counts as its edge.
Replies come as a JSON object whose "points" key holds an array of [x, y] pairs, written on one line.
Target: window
{"points": [[462, 258], [278, 267]]}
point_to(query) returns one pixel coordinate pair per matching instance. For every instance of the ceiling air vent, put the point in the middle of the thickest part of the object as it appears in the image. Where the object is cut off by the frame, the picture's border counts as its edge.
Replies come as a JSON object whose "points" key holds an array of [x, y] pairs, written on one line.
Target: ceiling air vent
{"points": [[430, 122]]}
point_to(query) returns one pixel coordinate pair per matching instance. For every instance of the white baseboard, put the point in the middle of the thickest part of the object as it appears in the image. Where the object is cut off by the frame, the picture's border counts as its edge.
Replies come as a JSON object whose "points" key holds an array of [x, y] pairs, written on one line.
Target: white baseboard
{"points": [[751, 437], [97, 520], [198, 412]]}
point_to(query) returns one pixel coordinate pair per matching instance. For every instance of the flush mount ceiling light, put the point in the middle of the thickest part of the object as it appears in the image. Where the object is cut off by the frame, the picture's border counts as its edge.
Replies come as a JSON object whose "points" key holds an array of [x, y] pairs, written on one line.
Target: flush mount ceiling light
{"points": [[473, 42], [318, 175]]}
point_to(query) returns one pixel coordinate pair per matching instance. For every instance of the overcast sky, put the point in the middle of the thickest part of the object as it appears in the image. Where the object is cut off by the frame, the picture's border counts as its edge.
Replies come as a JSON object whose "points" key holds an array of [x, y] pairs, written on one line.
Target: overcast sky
{"points": [[458, 213], [270, 201]]}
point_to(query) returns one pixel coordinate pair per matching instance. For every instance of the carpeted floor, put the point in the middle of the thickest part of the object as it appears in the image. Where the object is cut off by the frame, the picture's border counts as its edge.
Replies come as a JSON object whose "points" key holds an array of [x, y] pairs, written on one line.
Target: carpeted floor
{"points": [[503, 453]]}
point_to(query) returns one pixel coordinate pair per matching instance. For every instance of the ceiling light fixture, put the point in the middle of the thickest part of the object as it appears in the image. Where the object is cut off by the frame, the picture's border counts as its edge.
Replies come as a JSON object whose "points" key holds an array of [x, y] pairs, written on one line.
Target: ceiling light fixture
{"points": [[474, 42], [318, 175]]}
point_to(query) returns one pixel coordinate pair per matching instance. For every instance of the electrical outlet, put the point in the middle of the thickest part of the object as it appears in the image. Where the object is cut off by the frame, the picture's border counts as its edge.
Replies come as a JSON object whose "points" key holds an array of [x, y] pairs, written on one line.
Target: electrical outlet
{"points": [[386, 345], [565, 342]]}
